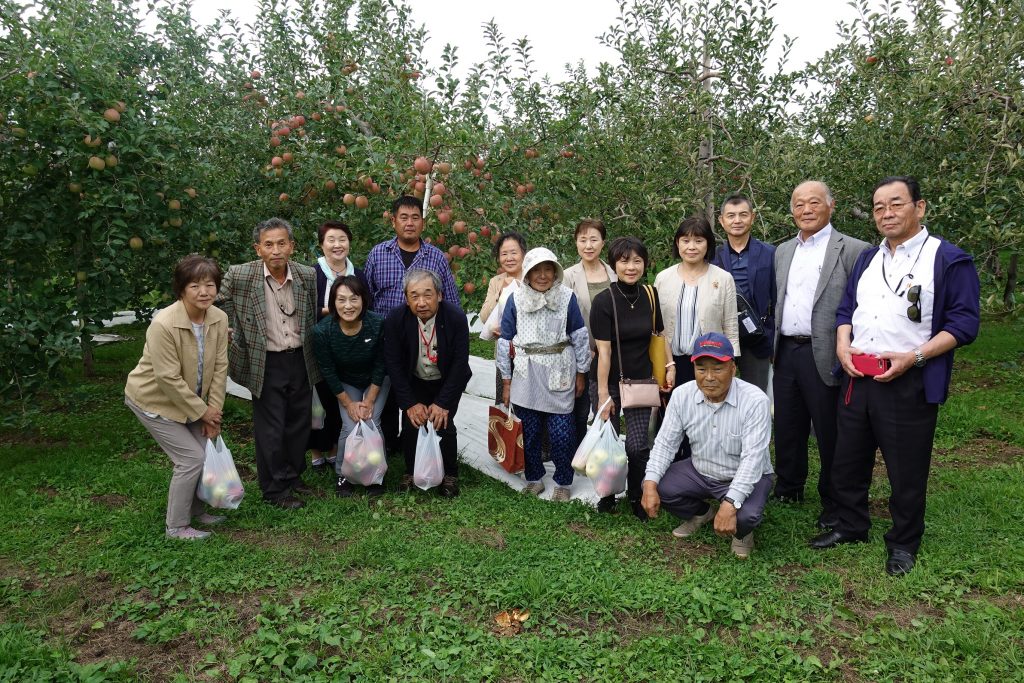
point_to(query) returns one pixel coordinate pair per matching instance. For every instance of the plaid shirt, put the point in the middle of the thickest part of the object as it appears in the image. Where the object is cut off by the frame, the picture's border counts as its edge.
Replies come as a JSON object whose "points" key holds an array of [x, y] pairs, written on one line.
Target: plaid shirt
{"points": [[385, 270]]}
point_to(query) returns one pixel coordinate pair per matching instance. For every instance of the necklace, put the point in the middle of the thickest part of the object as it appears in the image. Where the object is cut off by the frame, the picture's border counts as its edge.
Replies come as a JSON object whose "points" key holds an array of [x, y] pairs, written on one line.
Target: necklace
{"points": [[632, 304]]}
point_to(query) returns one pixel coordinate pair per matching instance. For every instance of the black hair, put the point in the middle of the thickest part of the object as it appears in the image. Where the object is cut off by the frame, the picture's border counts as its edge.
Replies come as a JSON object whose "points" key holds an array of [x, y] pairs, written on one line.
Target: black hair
{"points": [[697, 226], [356, 286]]}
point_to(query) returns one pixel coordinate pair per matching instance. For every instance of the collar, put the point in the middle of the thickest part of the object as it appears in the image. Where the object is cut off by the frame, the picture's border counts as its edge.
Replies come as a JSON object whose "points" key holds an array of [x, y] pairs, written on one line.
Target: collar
{"points": [[350, 268], [425, 325], [730, 398], [392, 244], [910, 245], [529, 300], [817, 238], [746, 247], [287, 277]]}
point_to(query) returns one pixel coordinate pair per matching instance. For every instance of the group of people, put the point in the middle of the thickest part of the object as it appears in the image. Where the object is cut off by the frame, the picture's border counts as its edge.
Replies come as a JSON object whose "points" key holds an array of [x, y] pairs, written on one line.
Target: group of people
{"points": [[858, 341]]}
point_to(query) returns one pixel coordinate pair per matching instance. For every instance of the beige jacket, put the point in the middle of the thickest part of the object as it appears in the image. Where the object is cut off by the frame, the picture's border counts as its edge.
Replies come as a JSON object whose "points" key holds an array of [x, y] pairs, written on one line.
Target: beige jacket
{"points": [[164, 381], [716, 302], [575, 278], [494, 289]]}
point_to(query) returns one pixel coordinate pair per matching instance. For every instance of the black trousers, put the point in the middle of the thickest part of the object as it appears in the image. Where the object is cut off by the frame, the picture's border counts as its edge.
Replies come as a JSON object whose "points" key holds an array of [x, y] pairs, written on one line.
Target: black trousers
{"points": [[586, 402], [425, 392], [389, 421], [803, 399], [325, 439], [894, 417], [280, 422]]}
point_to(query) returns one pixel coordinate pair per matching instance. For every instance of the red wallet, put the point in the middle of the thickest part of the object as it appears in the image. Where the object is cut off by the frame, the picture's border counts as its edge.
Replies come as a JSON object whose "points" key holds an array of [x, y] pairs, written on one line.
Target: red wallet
{"points": [[871, 365]]}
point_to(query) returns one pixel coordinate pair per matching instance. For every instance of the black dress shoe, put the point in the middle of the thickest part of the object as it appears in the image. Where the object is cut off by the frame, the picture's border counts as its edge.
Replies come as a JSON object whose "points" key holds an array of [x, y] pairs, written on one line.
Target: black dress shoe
{"points": [[301, 487], [287, 503], [831, 539], [344, 488], [638, 510], [900, 562], [827, 523], [607, 504]]}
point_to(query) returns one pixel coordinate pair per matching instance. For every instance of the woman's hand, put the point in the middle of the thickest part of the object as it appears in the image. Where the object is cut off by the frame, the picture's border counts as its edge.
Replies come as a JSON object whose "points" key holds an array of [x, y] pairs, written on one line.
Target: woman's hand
{"points": [[670, 379], [608, 409], [353, 410], [506, 392], [581, 383], [211, 431], [496, 330], [365, 409], [212, 416]]}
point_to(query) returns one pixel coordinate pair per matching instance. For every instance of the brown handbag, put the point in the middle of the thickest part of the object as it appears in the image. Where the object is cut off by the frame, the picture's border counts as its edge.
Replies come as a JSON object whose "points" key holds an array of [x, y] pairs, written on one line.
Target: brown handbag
{"points": [[634, 393]]}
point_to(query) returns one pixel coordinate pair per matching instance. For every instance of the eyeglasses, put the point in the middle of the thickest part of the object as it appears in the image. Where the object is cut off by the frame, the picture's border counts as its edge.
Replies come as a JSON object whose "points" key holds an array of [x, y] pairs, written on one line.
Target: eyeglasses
{"points": [[914, 297]]}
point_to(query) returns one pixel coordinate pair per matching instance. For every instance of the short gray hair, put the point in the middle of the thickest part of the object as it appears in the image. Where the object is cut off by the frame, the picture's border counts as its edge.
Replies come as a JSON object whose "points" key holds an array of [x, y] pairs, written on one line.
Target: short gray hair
{"points": [[271, 224], [828, 190], [414, 275]]}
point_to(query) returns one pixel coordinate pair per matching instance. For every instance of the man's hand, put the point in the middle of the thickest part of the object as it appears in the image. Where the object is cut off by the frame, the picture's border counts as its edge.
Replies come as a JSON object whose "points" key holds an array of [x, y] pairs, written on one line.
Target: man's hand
{"points": [[845, 354], [650, 501], [581, 383], [439, 416], [725, 520], [901, 362], [417, 414]]}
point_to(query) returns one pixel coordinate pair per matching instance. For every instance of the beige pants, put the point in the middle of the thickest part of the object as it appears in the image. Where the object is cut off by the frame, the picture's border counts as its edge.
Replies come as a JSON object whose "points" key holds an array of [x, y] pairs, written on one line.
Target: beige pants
{"points": [[185, 445]]}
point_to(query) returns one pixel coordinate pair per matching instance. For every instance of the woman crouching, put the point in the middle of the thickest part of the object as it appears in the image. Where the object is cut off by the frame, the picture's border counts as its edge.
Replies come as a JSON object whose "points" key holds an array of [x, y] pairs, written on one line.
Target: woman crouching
{"points": [[542, 327]]}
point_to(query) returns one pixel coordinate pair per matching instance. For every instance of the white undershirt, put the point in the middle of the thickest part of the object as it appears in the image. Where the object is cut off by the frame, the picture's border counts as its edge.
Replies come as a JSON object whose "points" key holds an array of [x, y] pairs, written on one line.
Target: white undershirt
{"points": [[880, 321], [802, 282]]}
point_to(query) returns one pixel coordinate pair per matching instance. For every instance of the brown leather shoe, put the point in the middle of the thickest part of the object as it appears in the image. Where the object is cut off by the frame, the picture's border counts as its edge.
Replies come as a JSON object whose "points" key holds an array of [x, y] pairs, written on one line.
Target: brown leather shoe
{"points": [[287, 503], [450, 487]]}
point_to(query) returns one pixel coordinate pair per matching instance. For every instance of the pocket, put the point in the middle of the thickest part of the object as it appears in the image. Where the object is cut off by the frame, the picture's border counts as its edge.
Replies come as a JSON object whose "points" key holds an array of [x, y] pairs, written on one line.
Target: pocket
{"points": [[733, 444]]}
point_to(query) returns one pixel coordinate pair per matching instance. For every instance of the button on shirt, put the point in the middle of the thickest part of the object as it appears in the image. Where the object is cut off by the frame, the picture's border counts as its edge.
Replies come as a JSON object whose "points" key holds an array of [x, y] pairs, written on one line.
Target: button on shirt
{"points": [[729, 440], [426, 359], [802, 282], [740, 259], [881, 321], [282, 322]]}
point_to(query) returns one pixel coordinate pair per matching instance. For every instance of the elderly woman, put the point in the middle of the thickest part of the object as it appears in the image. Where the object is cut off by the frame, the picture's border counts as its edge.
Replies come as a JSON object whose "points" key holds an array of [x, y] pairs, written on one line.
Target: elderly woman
{"points": [[542, 321], [348, 345], [177, 389], [623, 318], [335, 243], [508, 251], [696, 296], [588, 278]]}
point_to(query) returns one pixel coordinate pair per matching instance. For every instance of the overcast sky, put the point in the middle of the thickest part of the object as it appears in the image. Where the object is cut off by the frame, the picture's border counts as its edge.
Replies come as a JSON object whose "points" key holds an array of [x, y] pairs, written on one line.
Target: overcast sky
{"points": [[562, 31]]}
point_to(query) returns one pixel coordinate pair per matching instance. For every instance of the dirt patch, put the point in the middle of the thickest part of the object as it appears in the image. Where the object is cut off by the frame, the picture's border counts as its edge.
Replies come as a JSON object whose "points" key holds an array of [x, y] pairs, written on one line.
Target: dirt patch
{"points": [[879, 508], [583, 530], [276, 539], [111, 501], [156, 662], [980, 452], [47, 491], [627, 626], [492, 538], [684, 552], [792, 574], [28, 437]]}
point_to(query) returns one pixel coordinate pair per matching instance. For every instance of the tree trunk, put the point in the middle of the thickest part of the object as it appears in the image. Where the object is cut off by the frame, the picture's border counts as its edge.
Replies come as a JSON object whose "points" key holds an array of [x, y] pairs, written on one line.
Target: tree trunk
{"points": [[1009, 300]]}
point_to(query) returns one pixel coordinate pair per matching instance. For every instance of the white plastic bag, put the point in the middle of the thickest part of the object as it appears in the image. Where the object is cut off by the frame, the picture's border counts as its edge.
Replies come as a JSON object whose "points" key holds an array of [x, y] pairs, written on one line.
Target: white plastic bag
{"points": [[319, 413], [364, 462], [579, 460], [428, 471], [607, 464], [220, 485], [494, 319]]}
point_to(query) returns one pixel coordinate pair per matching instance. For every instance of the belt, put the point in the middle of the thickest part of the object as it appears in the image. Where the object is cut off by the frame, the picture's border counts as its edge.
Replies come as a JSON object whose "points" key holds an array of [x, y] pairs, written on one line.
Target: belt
{"points": [[295, 349], [544, 350], [799, 339]]}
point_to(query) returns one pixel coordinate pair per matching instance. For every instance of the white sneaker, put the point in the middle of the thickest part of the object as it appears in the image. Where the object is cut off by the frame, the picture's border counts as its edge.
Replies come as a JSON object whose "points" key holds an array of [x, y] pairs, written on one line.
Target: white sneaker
{"points": [[741, 547], [186, 533], [690, 526]]}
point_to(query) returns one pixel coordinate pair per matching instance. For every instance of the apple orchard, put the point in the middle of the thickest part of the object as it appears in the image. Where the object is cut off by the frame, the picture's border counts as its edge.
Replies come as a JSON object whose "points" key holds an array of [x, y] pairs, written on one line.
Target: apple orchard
{"points": [[130, 139]]}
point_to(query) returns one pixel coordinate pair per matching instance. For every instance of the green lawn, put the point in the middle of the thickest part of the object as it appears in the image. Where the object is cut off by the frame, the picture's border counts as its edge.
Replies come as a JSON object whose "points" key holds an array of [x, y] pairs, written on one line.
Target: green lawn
{"points": [[407, 588]]}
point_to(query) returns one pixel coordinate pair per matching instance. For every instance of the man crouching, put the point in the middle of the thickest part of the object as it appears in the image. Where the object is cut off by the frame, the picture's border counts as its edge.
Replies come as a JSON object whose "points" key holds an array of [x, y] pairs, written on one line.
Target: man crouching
{"points": [[728, 422]]}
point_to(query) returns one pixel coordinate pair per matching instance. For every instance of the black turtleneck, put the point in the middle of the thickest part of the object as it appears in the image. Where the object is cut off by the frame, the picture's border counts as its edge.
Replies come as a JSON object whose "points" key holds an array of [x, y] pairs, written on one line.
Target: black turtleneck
{"points": [[634, 328]]}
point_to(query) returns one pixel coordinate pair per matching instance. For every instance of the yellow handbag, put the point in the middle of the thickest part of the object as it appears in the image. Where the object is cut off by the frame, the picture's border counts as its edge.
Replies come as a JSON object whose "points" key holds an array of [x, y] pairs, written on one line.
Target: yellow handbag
{"points": [[656, 347]]}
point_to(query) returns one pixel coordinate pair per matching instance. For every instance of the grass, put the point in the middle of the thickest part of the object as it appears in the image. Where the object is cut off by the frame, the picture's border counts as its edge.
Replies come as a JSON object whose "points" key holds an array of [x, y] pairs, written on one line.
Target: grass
{"points": [[407, 587]]}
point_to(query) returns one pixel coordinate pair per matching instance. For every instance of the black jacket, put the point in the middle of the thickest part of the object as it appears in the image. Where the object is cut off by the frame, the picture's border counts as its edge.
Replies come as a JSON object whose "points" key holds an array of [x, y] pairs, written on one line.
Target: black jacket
{"points": [[402, 345]]}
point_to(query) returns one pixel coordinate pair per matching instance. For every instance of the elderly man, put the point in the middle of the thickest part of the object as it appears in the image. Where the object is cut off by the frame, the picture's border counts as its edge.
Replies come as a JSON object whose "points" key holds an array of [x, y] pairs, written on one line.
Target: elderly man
{"points": [[728, 422], [426, 351], [271, 306], [909, 303], [751, 263], [385, 269], [810, 275]]}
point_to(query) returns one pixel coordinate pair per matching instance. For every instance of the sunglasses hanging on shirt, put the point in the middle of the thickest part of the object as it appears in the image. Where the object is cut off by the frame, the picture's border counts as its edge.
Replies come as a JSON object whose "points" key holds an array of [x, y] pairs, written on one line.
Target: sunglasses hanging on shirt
{"points": [[913, 293]]}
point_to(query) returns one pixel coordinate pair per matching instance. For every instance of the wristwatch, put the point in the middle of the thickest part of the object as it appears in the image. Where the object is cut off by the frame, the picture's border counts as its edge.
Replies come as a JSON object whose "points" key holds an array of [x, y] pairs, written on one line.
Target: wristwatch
{"points": [[732, 502], [919, 359]]}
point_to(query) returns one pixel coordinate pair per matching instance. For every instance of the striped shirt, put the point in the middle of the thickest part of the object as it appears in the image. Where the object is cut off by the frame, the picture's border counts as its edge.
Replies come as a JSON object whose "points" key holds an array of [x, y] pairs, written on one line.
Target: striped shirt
{"points": [[729, 439], [385, 272]]}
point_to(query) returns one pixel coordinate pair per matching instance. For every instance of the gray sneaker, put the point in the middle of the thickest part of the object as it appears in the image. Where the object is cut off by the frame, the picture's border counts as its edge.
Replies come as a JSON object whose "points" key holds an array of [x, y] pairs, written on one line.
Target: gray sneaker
{"points": [[186, 533], [534, 488], [690, 526], [562, 494], [741, 547]]}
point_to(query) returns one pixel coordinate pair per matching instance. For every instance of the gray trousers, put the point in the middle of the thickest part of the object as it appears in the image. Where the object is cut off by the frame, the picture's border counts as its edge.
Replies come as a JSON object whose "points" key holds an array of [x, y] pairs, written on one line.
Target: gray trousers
{"points": [[185, 445], [684, 492], [347, 424], [753, 369]]}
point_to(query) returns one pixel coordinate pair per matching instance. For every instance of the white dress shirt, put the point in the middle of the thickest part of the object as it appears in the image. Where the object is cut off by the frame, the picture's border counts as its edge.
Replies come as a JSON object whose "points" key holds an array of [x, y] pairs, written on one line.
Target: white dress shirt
{"points": [[802, 282], [881, 322], [729, 440]]}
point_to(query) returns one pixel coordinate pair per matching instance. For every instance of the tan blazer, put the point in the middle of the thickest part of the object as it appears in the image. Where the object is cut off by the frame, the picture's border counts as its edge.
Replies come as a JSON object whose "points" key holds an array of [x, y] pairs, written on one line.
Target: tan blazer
{"points": [[575, 278], [716, 302], [164, 381], [494, 289]]}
